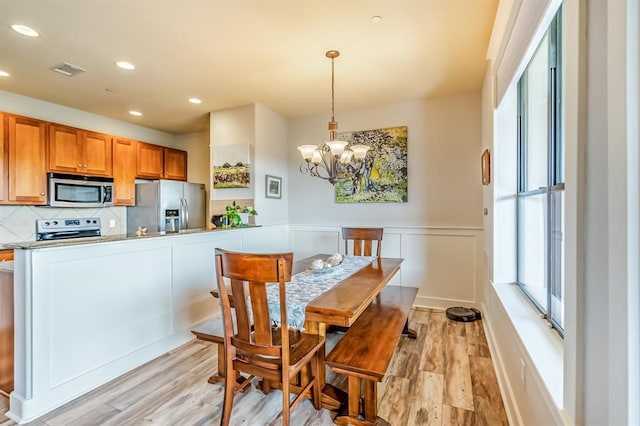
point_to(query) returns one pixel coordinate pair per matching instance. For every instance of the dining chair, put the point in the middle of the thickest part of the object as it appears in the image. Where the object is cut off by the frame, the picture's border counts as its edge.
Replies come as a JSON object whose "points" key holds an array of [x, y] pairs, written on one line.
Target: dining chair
{"points": [[257, 348], [362, 240]]}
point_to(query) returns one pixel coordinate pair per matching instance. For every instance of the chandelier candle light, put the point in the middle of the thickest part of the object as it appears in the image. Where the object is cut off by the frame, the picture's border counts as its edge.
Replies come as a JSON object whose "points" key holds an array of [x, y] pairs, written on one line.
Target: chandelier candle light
{"points": [[322, 160]]}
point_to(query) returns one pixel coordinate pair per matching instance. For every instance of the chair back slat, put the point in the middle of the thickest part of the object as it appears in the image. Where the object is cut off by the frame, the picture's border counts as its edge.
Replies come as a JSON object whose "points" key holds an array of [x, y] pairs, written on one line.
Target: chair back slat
{"points": [[243, 324], [260, 309], [362, 240], [249, 274]]}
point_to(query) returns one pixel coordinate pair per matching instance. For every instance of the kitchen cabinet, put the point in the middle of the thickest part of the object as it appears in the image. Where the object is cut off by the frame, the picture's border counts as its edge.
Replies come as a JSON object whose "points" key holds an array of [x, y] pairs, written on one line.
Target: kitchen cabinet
{"points": [[3, 159], [150, 161], [26, 152], [158, 162], [6, 322], [79, 151], [175, 164], [124, 172]]}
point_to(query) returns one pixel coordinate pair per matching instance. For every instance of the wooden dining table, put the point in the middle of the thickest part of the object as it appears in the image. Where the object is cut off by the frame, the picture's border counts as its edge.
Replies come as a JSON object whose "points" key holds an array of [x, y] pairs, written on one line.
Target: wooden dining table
{"points": [[342, 305]]}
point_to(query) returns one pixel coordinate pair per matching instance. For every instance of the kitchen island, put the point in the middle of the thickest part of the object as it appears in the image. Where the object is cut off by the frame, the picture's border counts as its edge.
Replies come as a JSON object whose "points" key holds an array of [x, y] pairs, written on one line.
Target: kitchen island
{"points": [[88, 311]]}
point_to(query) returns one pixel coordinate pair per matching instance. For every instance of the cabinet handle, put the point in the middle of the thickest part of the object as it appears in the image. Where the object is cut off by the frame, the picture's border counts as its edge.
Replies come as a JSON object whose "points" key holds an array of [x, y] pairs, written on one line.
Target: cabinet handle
{"points": [[85, 166], [42, 193], [79, 165]]}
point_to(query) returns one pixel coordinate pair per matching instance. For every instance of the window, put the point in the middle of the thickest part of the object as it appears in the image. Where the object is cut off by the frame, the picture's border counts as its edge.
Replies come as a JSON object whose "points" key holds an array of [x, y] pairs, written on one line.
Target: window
{"points": [[540, 195]]}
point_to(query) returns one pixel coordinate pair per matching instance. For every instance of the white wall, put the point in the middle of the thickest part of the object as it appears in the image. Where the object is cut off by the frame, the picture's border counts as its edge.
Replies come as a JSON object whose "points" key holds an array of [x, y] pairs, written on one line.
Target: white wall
{"points": [[444, 147], [271, 154], [599, 363], [230, 127], [197, 147]]}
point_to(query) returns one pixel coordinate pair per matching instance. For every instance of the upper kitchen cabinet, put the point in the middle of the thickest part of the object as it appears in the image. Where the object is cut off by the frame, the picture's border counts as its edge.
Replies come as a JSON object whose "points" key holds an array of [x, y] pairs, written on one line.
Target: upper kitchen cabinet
{"points": [[150, 161], [79, 151], [3, 158], [175, 164], [124, 172], [26, 174], [157, 162]]}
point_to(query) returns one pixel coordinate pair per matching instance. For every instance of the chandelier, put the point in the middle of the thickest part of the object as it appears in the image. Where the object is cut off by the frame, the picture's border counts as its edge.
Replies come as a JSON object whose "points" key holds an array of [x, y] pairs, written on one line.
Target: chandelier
{"points": [[322, 160]]}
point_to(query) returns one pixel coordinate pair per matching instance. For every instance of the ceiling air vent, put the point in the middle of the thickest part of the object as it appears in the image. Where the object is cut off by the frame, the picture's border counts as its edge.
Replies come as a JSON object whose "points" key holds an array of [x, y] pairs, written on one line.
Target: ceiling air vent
{"points": [[67, 69]]}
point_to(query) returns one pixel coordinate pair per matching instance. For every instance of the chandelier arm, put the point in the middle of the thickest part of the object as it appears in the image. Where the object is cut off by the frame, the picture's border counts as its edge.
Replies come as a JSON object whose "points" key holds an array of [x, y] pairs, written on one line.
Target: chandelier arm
{"points": [[316, 173]]}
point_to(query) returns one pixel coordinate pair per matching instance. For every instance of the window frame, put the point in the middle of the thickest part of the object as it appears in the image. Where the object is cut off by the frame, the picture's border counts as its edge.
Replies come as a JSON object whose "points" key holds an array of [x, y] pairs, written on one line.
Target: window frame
{"points": [[554, 172]]}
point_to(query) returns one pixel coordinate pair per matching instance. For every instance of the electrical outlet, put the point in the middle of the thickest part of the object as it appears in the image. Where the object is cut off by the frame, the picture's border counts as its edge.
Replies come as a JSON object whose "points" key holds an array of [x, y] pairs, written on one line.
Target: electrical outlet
{"points": [[112, 223], [523, 373]]}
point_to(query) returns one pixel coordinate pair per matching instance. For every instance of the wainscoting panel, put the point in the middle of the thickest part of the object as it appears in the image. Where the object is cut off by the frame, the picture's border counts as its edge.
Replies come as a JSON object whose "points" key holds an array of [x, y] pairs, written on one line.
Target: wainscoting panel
{"points": [[445, 264], [442, 266], [308, 241]]}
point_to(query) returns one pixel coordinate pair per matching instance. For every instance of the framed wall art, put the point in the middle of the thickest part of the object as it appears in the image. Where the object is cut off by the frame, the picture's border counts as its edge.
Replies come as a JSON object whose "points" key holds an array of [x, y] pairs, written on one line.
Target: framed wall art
{"points": [[231, 168], [381, 177], [272, 186]]}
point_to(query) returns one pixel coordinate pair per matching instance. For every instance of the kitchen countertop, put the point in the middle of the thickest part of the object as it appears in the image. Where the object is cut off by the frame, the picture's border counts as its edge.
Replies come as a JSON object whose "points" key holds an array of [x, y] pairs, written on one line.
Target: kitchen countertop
{"points": [[28, 245]]}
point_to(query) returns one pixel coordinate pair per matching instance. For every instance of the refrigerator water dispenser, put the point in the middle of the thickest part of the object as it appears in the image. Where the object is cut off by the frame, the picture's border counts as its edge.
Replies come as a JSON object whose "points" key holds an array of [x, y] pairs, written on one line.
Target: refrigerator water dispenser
{"points": [[172, 220]]}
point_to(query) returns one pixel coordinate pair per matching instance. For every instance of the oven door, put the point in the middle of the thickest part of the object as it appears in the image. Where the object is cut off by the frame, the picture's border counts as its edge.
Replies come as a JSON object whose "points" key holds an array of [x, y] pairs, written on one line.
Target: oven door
{"points": [[79, 193]]}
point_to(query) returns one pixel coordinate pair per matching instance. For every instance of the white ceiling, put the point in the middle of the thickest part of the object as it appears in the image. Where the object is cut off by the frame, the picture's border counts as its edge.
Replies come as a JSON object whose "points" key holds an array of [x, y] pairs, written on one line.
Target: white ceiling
{"points": [[236, 52]]}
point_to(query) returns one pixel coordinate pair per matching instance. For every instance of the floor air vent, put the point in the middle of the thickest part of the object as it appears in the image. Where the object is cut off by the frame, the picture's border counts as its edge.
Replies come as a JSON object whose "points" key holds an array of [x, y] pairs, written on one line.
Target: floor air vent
{"points": [[67, 69], [458, 313]]}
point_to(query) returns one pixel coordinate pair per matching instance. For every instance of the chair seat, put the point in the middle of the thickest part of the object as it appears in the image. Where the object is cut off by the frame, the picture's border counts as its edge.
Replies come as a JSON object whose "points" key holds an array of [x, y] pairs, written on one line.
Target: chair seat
{"points": [[301, 348]]}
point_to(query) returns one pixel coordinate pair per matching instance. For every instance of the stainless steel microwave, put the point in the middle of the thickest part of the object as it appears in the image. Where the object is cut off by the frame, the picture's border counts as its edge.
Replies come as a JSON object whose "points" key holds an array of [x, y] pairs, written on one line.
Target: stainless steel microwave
{"points": [[79, 191]]}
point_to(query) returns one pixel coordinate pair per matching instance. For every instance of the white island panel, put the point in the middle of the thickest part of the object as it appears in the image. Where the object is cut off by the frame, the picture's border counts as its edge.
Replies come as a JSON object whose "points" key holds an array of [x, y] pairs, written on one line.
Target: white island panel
{"points": [[98, 314], [88, 312]]}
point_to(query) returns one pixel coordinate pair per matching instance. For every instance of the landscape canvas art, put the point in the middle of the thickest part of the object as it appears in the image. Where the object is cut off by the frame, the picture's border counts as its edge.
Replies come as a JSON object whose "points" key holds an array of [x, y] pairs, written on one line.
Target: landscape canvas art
{"points": [[231, 166], [382, 176]]}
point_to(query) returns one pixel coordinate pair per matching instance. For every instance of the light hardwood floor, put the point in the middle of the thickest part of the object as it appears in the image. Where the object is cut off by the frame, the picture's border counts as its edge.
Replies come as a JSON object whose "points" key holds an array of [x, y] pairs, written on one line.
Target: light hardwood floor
{"points": [[445, 377]]}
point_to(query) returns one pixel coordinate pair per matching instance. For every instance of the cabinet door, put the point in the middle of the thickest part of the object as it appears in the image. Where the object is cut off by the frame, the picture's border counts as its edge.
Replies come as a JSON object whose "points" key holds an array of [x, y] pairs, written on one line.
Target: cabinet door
{"points": [[97, 156], [3, 159], [27, 161], [64, 149], [175, 164], [124, 172], [150, 161]]}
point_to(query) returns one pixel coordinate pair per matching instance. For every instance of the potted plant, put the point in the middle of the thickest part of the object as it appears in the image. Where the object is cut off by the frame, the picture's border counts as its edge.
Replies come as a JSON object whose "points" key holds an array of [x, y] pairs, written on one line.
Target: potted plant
{"points": [[236, 215]]}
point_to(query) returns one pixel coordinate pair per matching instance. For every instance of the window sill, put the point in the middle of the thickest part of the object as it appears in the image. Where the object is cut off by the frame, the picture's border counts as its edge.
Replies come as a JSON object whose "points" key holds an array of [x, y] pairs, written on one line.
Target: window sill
{"points": [[542, 344]]}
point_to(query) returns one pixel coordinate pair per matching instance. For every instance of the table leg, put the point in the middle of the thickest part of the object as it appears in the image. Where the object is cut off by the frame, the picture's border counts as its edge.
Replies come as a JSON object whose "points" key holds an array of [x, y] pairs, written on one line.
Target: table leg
{"points": [[370, 400], [332, 397]]}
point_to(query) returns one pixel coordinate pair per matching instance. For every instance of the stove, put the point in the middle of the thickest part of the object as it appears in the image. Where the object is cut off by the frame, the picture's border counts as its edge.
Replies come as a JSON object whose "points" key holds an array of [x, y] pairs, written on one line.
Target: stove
{"points": [[58, 229]]}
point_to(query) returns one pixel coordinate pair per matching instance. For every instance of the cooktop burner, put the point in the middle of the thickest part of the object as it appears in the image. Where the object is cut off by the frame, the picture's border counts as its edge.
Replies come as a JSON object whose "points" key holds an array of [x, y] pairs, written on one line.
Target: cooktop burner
{"points": [[59, 228]]}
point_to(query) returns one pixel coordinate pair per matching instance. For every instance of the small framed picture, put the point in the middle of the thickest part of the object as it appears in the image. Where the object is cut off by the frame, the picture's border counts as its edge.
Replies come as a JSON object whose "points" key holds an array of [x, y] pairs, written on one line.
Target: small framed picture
{"points": [[272, 186], [486, 167]]}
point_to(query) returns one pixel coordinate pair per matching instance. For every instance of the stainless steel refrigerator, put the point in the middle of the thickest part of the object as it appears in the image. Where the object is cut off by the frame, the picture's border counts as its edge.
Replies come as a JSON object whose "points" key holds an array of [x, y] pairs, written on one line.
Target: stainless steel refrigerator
{"points": [[167, 206]]}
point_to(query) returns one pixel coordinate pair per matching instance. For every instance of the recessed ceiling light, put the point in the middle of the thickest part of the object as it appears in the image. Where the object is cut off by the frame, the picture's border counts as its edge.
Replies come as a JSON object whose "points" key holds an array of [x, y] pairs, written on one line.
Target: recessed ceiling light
{"points": [[24, 30], [376, 19], [125, 65], [195, 101], [4, 74], [136, 113]]}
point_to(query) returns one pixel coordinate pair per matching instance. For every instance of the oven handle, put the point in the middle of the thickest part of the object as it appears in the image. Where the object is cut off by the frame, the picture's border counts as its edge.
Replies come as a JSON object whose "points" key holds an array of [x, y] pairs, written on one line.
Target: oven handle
{"points": [[57, 235]]}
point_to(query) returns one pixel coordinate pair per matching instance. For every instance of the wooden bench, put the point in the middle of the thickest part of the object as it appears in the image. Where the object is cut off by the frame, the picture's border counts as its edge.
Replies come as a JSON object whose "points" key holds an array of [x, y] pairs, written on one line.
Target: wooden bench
{"points": [[366, 349]]}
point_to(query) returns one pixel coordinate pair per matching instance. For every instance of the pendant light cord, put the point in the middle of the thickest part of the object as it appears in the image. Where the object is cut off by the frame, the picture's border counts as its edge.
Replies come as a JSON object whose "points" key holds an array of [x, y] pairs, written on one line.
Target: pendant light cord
{"points": [[332, 90]]}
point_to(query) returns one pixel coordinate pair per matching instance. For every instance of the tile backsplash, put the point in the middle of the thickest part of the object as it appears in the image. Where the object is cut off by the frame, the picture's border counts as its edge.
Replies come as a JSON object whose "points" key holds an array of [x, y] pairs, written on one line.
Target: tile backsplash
{"points": [[18, 223]]}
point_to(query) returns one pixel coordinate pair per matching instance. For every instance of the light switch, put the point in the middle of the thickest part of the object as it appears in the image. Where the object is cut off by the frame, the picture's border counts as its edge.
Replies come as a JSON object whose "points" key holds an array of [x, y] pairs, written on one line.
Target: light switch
{"points": [[112, 223]]}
